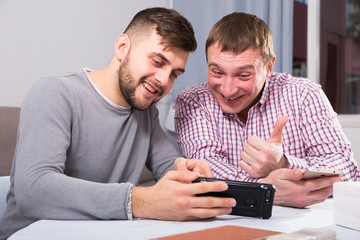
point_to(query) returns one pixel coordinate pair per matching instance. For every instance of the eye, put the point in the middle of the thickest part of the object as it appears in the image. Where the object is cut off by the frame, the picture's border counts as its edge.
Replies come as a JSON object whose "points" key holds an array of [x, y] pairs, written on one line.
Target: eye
{"points": [[244, 77], [157, 62], [174, 75], [217, 73]]}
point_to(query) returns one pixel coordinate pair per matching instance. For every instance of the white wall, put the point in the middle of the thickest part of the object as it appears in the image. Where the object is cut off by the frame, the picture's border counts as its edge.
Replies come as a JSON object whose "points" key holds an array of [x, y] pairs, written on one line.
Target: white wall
{"points": [[45, 37]]}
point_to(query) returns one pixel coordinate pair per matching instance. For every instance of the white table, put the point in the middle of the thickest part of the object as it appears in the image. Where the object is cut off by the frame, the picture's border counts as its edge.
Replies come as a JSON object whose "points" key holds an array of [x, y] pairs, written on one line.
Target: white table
{"points": [[283, 220]]}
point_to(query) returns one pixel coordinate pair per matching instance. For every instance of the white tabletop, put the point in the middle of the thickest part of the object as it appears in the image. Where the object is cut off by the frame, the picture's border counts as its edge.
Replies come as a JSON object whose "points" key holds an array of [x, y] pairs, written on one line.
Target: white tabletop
{"points": [[283, 220]]}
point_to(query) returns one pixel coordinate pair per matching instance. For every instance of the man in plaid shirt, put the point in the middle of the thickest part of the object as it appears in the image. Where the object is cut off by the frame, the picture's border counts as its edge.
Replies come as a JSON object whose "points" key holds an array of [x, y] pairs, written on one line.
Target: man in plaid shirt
{"points": [[250, 124]]}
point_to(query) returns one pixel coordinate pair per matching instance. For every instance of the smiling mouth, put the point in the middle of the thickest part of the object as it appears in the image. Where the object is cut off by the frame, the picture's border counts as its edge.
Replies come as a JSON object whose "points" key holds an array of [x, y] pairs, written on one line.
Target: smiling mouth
{"points": [[149, 88], [232, 98]]}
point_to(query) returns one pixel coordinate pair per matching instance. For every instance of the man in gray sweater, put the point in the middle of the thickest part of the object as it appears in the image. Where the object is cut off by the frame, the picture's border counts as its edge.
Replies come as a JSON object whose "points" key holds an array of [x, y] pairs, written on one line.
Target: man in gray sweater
{"points": [[84, 138]]}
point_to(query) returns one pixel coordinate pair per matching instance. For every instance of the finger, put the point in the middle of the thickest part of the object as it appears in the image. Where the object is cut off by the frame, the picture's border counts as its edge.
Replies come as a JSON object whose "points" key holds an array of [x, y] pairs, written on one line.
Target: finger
{"points": [[256, 142], [279, 125], [203, 213], [290, 174], [318, 196], [181, 175], [250, 151], [191, 163], [212, 202], [246, 163], [197, 165], [180, 164], [205, 187], [245, 158], [321, 183]]}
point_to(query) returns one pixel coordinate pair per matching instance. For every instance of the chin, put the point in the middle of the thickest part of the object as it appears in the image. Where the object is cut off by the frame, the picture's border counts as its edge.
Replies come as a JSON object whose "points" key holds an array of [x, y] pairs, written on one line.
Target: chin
{"points": [[229, 111], [142, 106]]}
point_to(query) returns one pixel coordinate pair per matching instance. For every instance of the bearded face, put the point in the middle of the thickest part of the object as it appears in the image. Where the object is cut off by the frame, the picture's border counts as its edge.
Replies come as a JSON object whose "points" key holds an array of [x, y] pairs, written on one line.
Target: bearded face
{"points": [[147, 71], [130, 87]]}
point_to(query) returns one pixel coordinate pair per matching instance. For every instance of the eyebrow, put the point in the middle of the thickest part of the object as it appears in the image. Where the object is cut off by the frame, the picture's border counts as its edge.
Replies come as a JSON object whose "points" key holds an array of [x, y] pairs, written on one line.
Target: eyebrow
{"points": [[242, 68], [167, 61]]}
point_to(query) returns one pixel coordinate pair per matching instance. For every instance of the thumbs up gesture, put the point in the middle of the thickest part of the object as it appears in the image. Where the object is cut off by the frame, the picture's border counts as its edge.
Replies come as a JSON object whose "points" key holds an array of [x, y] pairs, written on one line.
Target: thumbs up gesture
{"points": [[260, 156]]}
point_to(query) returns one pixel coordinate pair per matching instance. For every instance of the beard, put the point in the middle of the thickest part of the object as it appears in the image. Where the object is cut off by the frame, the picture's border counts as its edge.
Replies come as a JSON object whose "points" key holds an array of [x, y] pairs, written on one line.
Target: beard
{"points": [[128, 86]]}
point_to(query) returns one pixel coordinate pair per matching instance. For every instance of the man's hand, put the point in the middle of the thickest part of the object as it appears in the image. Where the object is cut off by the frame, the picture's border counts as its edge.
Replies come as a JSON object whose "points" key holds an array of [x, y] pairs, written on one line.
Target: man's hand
{"points": [[291, 191], [173, 198], [260, 157], [194, 165]]}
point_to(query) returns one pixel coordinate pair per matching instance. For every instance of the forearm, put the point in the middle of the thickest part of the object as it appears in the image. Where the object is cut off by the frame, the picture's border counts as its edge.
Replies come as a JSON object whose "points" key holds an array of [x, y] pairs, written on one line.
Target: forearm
{"points": [[339, 161], [57, 196], [324, 142]]}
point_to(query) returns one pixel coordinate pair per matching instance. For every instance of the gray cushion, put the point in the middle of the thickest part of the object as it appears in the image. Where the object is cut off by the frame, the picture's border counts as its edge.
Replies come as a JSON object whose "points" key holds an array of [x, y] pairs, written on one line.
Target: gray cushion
{"points": [[4, 188], [9, 121]]}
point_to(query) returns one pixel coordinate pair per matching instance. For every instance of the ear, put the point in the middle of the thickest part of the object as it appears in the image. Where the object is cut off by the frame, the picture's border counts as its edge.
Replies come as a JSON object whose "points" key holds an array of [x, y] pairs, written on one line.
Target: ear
{"points": [[122, 46], [269, 67]]}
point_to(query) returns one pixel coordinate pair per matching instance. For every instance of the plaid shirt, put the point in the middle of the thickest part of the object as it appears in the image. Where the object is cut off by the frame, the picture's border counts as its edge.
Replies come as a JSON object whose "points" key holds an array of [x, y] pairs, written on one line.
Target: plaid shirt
{"points": [[311, 138]]}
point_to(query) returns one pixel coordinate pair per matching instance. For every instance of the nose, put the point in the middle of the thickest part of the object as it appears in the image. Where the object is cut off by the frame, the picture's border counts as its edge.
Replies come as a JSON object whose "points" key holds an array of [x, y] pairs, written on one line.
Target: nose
{"points": [[163, 76], [228, 88]]}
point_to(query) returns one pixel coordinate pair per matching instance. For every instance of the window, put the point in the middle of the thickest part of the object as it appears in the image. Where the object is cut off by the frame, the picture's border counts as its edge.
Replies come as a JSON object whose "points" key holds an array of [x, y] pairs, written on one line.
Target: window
{"points": [[330, 54]]}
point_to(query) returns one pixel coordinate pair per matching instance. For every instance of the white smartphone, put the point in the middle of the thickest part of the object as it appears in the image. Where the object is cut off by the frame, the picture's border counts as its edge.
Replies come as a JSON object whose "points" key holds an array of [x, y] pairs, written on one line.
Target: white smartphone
{"points": [[312, 173]]}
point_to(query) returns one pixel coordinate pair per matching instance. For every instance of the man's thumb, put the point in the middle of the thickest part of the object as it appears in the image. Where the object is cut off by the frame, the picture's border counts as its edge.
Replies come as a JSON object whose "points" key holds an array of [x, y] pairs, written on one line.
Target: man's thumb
{"points": [[279, 125]]}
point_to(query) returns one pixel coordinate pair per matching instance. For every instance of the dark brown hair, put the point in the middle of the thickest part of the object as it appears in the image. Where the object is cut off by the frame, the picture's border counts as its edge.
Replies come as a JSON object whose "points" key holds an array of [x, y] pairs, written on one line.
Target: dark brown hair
{"points": [[175, 30], [240, 31]]}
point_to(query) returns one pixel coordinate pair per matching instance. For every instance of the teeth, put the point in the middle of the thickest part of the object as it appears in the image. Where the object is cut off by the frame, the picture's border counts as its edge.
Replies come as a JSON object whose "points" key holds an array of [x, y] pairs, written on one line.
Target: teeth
{"points": [[147, 86], [233, 98]]}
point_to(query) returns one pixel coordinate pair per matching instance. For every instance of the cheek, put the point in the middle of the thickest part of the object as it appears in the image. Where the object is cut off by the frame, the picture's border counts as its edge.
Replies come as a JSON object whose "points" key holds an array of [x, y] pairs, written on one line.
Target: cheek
{"points": [[213, 81], [139, 68], [248, 87]]}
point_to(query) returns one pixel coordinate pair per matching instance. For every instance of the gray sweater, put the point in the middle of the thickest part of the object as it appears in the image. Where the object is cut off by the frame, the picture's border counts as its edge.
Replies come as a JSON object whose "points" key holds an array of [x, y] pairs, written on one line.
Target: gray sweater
{"points": [[77, 154]]}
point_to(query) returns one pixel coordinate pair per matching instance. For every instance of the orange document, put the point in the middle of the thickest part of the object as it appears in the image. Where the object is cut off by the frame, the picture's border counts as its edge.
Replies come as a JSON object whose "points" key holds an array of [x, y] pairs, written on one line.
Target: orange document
{"points": [[223, 233]]}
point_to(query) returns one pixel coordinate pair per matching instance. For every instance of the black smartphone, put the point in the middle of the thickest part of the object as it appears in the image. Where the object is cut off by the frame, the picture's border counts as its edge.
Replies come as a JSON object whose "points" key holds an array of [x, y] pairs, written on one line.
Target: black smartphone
{"points": [[252, 199]]}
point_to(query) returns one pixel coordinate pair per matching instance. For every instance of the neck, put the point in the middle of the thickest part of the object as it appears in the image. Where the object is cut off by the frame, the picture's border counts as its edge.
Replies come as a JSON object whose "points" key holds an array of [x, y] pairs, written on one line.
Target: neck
{"points": [[243, 115], [106, 80]]}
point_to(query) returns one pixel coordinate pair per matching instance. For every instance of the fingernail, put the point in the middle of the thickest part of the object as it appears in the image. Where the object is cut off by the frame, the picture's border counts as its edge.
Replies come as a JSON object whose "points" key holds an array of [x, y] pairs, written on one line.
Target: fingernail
{"points": [[224, 186], [228, 211], [232, 203]]}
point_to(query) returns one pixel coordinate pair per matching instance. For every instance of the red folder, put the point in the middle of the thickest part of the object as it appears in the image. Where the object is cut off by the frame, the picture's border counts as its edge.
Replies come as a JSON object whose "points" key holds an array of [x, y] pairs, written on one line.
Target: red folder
{"points": [[223, 233]]}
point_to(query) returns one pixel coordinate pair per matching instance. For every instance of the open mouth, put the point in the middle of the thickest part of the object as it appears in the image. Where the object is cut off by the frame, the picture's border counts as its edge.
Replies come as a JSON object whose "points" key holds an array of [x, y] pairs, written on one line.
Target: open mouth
{"points": [[149, 88], [232, 98]]}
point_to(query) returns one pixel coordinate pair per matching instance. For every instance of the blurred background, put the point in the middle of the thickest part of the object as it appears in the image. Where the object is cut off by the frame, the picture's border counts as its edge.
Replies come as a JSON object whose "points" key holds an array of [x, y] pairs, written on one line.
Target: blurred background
{"points": [[317, 39]]}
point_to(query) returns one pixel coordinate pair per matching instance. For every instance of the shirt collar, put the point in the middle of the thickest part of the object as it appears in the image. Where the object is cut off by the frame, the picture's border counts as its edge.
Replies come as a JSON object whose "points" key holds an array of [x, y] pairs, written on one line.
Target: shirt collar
{"points": [[265, 94]]}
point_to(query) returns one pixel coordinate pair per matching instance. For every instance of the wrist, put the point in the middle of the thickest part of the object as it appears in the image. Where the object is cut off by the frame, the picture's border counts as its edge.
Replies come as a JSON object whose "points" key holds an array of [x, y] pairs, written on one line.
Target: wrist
{"points": [[139, 204]]}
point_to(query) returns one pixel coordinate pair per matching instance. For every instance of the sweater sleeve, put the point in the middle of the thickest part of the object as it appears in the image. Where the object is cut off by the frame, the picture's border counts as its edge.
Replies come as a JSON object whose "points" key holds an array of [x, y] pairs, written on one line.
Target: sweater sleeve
{"points": [[42, 189], [162, 152]]}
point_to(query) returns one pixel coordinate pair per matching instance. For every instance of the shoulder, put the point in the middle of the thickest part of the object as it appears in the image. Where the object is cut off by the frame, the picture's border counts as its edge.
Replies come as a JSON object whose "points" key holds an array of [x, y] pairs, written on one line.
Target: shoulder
{"points": [[196, 93], [54, 90], [57, 83], [287, 83]]}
